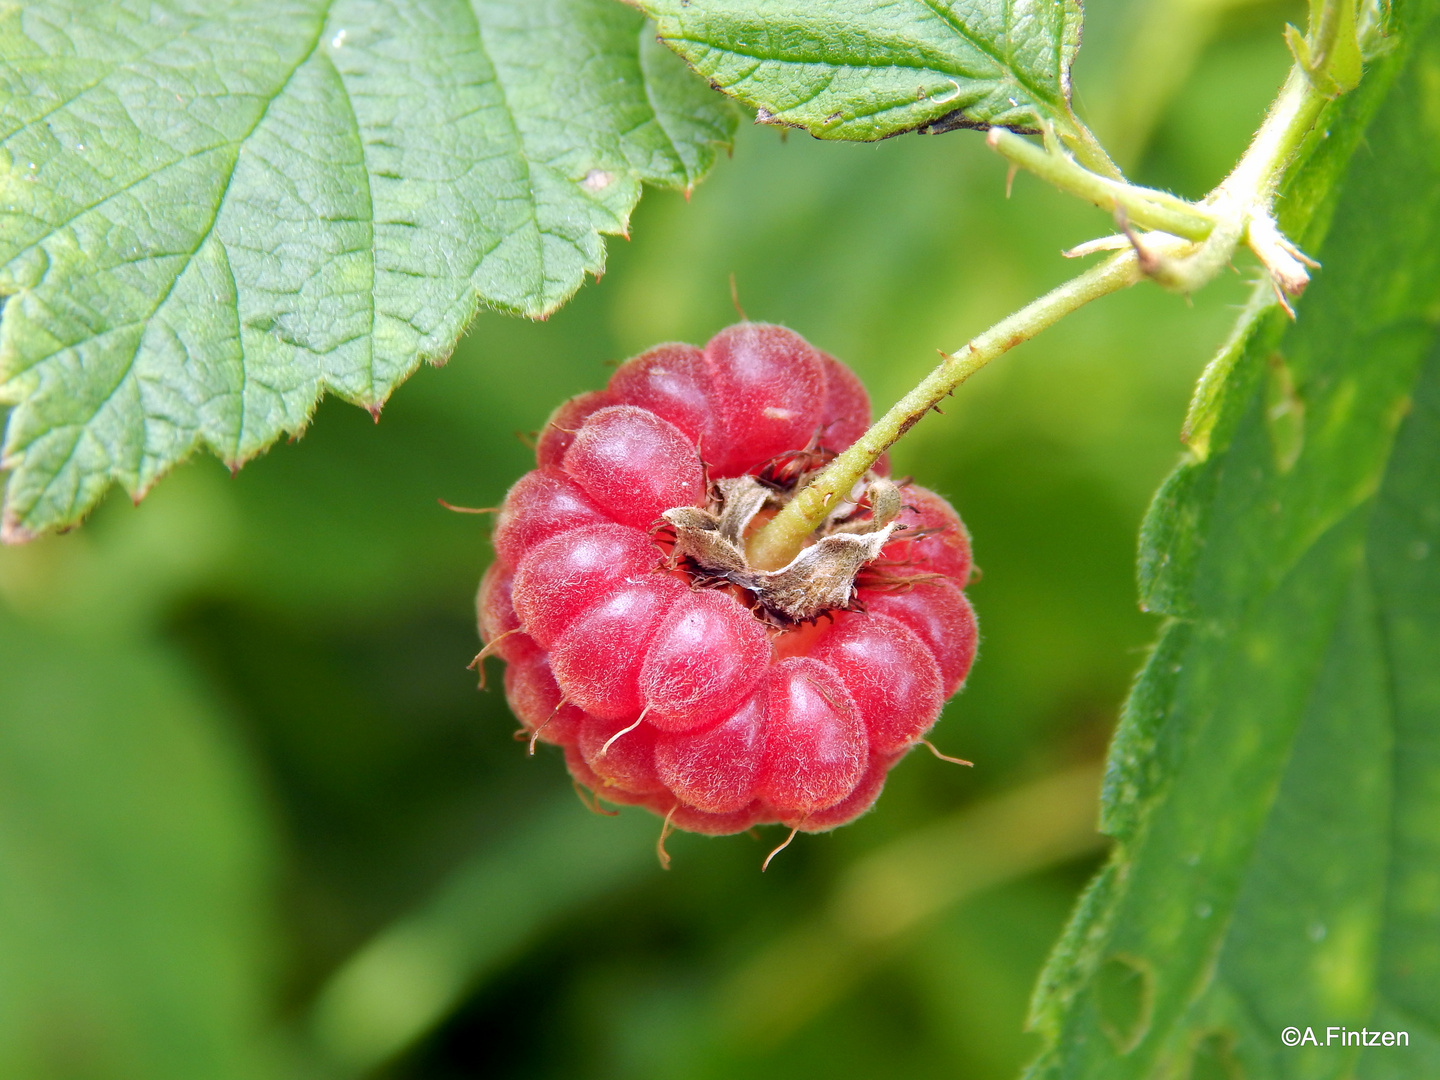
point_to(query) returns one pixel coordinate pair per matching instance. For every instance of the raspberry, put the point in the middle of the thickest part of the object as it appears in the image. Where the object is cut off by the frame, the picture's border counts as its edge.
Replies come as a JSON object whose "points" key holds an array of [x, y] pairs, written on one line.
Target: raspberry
{"points": [[675, 675]]}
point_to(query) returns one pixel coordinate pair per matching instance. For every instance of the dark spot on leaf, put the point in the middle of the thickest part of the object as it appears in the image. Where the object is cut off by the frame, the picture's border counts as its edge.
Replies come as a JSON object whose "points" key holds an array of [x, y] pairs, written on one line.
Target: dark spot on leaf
{"points": [[956, 120]]}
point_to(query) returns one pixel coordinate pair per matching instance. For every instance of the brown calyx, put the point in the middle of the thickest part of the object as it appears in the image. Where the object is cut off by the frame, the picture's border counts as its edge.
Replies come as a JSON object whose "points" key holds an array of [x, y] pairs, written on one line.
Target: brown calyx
{"points": [[710, 546]]}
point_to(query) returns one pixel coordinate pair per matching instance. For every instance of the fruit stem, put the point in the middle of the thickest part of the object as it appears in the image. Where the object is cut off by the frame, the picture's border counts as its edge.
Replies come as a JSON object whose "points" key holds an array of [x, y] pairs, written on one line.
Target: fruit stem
{"points": [[1240, 209], [784, 535]]}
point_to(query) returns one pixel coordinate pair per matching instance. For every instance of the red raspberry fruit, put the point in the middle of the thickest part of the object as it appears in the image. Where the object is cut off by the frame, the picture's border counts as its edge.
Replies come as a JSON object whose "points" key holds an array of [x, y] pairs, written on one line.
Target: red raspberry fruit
{"points": [[676, 676]]}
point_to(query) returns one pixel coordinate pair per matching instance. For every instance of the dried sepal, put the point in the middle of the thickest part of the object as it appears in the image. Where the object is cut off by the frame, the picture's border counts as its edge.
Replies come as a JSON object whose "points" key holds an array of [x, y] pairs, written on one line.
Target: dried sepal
{"points": [[710, 543]]}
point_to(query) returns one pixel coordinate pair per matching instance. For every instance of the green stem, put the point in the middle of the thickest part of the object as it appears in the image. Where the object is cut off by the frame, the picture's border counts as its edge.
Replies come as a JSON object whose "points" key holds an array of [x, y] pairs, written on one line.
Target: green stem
{"points": [[1256, 177], [1292, 114], [785, 534]]}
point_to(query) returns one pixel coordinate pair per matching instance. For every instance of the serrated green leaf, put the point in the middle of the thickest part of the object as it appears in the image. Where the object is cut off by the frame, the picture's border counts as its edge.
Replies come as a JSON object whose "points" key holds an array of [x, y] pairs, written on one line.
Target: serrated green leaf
{"points": [[866, 69], [211, 214], [1275, 782]]}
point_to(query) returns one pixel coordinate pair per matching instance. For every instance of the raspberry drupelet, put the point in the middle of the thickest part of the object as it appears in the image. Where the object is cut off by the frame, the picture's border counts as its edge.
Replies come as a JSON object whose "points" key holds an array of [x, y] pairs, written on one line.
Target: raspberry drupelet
{"points": [[675, 675]]}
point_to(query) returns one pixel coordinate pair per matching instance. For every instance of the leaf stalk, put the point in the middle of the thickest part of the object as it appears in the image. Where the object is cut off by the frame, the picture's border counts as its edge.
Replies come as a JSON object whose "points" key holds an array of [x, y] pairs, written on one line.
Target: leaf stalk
{"points": [[1087, 148], [1146, 207]]}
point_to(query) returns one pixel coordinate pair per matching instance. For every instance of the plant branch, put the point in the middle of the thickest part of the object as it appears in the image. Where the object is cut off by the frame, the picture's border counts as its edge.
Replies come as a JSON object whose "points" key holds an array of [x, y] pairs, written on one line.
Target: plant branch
{"points": [[1256, 177], [1190, 244], [1332, 55], [1326, 32], [1238, 210]]}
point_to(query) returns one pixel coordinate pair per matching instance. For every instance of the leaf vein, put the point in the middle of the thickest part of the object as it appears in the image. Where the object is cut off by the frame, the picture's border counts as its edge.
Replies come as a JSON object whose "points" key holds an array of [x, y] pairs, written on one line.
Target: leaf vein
{"points": [[129, 365], [1004, 59], [368, 220]]}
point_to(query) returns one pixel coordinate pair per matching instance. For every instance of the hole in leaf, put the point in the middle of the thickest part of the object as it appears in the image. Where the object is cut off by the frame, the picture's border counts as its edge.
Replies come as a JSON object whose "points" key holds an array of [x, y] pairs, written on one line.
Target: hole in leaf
{"points": [[1124, 994], [1284, 415], [1214, 1058]]}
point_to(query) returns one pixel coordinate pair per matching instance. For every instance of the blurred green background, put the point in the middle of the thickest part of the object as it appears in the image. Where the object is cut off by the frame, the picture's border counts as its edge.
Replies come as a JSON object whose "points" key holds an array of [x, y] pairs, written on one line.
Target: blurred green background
{"points": [[256, 820]]}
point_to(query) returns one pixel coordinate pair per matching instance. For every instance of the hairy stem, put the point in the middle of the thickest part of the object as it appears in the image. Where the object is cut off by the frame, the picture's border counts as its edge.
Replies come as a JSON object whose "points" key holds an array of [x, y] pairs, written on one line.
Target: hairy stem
{"points": [[1292, 114], [784, 535], [1145, 207], [1258, 176]]}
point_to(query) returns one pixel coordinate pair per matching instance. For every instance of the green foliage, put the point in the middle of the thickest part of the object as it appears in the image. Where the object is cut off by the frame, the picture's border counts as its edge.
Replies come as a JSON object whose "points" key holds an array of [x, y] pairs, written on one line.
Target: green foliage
{"points": [[324, 598], [1283, 733], [867, 69], [1275, 783], [211, 215]]}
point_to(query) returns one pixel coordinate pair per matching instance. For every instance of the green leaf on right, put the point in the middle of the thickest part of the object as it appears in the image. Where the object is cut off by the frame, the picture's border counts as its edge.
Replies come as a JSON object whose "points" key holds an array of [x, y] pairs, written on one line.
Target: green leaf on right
{"points": [[1274, 788], [867, 69]]}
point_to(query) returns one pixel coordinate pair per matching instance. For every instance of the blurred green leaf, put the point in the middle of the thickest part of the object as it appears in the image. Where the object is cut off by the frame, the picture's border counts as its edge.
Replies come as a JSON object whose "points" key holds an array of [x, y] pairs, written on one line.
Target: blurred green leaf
{"points": [[211, 215], [1275, 785], [135, 868], [409, 978], [866, 69]]}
